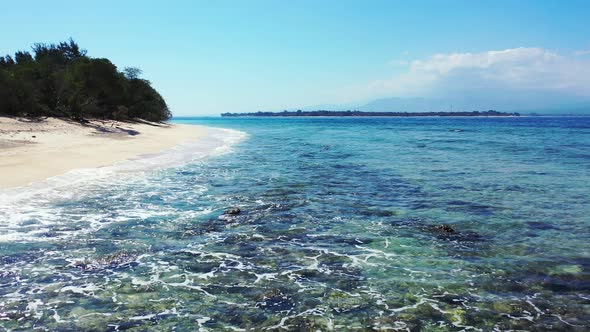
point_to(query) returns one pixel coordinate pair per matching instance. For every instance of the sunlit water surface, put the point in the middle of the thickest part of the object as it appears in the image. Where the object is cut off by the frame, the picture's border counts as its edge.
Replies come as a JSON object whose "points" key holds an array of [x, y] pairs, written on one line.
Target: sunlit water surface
{"points": [[339, 230]]}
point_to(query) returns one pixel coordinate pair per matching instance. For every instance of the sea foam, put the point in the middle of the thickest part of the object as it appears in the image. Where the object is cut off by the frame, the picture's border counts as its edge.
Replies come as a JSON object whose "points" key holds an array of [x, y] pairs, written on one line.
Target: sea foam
{"points": [[18, 206]]}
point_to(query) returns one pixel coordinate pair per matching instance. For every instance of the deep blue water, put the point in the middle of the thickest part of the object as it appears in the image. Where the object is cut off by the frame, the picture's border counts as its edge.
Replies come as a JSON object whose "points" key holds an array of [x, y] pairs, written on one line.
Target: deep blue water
{"points": [[341, 229]]}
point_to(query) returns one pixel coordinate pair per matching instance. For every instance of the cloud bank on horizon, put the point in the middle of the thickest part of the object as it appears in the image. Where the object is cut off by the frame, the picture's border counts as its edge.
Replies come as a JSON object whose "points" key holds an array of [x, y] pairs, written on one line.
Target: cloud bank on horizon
{"points": [[516, 78]]}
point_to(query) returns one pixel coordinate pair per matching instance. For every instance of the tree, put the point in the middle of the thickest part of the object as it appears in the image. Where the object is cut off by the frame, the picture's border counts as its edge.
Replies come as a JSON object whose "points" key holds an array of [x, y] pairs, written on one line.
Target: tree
{"points": [[6, 61], [61, 80], [132, 73], [22, 57], [147, 102]]}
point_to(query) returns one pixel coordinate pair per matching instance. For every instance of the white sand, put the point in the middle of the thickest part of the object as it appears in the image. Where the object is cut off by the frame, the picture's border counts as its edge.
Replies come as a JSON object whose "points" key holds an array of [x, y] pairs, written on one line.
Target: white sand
{"points": [[34, 151]]}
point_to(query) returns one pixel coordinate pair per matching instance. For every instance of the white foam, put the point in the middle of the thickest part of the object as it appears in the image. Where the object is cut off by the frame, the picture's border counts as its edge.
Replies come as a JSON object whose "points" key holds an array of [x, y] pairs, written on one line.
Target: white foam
{"points": [[217, 141], [27, 211]]}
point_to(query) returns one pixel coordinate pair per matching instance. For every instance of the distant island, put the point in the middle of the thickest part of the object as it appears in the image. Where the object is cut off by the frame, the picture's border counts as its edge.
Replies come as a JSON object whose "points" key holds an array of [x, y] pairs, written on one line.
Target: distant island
{"points": [[367, 114], [60, 80]]}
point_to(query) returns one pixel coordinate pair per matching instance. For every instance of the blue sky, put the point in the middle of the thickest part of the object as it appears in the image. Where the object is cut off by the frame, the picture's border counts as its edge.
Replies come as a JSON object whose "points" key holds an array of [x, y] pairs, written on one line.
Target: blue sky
{"points": [[207, 57]]}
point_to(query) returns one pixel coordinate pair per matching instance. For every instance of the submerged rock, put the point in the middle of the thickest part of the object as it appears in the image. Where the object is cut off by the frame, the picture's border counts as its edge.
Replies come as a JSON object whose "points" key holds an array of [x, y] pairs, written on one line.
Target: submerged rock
{"points": [[230, 215], [540, 225], [115, 260], [229, 218], [233, 211], [446, 232], [275, 299], [209, 226], [445, 228], [565, 269]]}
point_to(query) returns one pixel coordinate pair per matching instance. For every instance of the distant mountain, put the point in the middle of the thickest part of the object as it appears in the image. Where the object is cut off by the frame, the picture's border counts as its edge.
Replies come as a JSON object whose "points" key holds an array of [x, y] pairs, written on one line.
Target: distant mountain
{"points": [[409, 105], [524, 103]]}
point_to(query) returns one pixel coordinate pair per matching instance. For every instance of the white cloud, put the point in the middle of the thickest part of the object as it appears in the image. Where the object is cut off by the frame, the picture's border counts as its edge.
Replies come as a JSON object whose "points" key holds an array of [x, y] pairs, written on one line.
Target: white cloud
{"points": [[491, 73]]}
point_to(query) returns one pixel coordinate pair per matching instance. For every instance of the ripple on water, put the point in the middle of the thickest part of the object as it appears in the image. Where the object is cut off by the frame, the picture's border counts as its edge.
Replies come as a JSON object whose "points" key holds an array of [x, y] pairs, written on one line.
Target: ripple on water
{"points": [[340, 229]]}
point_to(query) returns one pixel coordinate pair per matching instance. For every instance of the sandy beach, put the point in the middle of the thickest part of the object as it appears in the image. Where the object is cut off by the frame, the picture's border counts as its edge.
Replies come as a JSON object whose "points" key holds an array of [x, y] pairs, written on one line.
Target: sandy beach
{"points": [[31, 151]]}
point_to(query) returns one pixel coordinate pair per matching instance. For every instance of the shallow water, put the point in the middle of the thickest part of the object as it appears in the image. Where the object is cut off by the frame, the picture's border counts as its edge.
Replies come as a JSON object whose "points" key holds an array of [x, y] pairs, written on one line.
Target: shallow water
{"points": [[338, 231]]}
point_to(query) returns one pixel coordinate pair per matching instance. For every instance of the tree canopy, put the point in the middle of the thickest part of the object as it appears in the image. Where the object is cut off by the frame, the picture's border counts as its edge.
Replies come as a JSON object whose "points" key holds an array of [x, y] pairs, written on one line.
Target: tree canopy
{"points": [[61, 80]]}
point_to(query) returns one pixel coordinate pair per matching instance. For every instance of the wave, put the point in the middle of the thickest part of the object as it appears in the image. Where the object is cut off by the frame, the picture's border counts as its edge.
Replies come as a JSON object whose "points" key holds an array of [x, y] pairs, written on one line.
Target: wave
{"points": [[18, 205]]}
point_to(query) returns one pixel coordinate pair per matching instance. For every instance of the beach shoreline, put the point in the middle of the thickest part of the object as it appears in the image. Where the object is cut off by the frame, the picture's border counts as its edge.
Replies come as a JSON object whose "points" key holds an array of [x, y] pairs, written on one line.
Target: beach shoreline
{"points": [[33, 151]]}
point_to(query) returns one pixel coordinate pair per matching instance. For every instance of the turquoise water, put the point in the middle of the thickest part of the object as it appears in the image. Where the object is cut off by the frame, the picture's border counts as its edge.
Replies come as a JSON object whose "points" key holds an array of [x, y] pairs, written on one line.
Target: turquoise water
{"points": [[339, 230]]}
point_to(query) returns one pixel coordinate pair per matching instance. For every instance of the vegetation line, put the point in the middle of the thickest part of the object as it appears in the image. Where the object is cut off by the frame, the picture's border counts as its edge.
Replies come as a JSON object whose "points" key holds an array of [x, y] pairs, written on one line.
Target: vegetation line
{"points": [[60, 80]]}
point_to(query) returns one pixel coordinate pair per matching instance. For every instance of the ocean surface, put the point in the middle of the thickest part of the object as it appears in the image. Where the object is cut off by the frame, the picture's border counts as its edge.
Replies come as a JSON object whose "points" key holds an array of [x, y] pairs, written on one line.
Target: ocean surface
{"points": [[407, 224]]}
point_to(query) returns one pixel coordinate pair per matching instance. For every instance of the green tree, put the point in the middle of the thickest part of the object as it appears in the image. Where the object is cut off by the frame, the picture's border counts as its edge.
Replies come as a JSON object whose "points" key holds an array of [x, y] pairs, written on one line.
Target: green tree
{"points": [[61, 80]]}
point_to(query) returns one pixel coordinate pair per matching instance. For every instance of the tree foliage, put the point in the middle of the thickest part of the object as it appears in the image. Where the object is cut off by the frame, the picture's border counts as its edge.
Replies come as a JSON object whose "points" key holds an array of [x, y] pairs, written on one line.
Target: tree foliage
{"points": [[61, 80]]}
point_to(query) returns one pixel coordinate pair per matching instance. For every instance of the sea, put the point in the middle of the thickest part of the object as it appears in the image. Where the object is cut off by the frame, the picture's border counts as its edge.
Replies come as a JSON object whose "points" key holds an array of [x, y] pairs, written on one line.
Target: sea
{"points": [[344, 224]]}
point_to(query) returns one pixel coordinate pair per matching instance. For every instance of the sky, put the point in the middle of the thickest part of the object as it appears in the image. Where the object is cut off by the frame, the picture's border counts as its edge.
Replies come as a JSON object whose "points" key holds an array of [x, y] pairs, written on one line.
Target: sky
{"points": [[208, 57]]}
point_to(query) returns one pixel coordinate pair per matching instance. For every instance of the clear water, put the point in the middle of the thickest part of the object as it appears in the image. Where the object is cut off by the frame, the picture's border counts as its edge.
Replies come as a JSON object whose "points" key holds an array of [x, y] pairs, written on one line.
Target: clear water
{"points": [[338, 231]]}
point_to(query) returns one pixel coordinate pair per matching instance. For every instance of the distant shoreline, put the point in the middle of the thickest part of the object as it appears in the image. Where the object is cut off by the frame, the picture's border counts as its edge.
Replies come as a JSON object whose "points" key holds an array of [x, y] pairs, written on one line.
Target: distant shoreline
{"points": [[324, 113], [377, 116]]}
